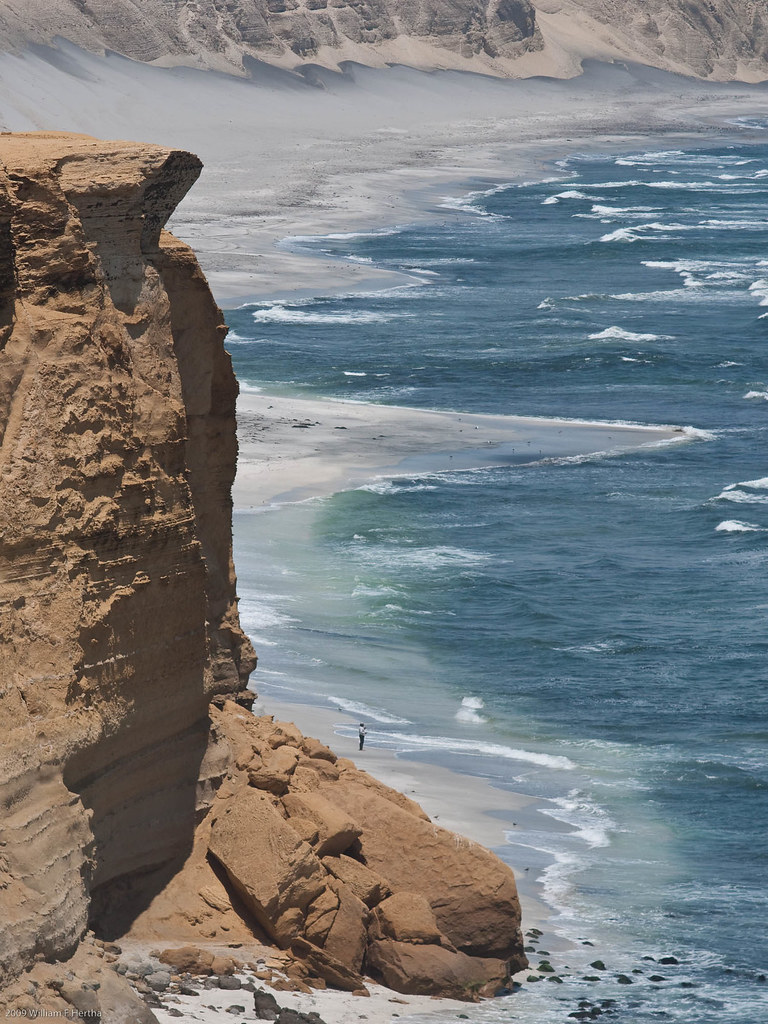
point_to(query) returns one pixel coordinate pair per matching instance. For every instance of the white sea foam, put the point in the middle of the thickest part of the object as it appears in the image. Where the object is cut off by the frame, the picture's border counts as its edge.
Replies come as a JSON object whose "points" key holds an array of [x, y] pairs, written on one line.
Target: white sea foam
{"points": [[261, 614], [619, 334], [354, 373], [621, 235], [737, 526], [344, 236], [365, 711], [475, 748], [739, 497], [468, 204], [648, 159], [591, 823], [757, 394], [469, 711], [759, 485], [251, 389], [291, 313], [760, 290]]}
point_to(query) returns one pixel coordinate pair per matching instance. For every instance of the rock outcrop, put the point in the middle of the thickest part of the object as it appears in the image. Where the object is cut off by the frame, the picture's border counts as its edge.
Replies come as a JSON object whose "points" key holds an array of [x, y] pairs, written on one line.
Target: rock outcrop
{"points": [[222, 33], [138, 797], [720, 39], [118, 616], [348, 875]]}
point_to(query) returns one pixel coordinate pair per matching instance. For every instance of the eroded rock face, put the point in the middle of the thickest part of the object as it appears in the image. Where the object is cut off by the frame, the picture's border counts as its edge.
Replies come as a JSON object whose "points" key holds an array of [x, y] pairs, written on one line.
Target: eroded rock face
{"points": [[221, 33], [720, 39], [118, 617]]}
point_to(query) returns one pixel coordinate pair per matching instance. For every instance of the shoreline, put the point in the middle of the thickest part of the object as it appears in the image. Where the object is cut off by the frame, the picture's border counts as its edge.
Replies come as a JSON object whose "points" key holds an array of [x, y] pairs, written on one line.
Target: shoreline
{"points": [[294, 449]]}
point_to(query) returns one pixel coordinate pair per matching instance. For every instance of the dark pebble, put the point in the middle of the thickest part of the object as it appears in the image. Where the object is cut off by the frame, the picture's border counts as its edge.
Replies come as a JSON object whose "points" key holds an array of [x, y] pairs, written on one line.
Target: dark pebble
{"points": [[761, 977], [598, 965], [687, 984], [668, 960], [657, 977], [529, 949], [636, 970], [173, 1012], [546, 967], [555, 978], [586, 942], [624, 980], [229, 982], [591, 977], [187, 990], [238, 1010]]}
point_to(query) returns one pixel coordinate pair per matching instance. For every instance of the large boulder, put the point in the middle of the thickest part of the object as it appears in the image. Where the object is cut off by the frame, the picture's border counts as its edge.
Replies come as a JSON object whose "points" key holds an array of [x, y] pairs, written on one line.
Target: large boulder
{"points": [[472, 893], [336, 830], [275, 873], [348, 934], [434, 970], [367, 885], [406, 917], [324, 965]]}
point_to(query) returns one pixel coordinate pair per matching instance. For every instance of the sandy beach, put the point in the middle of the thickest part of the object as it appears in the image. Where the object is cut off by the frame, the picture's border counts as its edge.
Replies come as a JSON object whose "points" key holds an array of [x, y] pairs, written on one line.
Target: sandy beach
{"points": [[292, 448]]}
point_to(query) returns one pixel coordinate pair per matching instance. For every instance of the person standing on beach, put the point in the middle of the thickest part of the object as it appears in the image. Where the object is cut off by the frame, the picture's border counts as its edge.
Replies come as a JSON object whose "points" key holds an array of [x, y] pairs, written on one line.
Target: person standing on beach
{"points": [[361, 734]]}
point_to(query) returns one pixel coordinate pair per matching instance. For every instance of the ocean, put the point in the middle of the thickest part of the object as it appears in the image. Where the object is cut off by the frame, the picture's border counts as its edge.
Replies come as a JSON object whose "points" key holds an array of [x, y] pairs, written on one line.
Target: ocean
{"points": [[591, 631]]}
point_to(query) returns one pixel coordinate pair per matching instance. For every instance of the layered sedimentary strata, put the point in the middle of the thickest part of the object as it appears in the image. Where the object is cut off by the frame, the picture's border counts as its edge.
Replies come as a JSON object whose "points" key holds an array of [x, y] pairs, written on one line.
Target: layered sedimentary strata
{"points": [[118, 618], [721, 39], [137, 798], [351, 877], [219, 33]]}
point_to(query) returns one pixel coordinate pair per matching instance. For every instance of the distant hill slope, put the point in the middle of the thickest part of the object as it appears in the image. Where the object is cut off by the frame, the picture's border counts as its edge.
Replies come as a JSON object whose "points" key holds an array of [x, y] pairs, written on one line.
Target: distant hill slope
{"points": [[721, 39]]}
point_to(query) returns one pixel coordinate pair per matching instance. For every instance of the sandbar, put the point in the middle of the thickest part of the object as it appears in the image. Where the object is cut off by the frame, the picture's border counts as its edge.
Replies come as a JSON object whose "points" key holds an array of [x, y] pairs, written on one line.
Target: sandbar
{"points": [[292, 449]]}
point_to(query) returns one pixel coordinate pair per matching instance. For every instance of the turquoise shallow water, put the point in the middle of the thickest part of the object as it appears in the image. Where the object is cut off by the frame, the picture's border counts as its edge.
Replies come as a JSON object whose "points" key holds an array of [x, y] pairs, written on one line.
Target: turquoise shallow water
{"points": [[594, 631]]}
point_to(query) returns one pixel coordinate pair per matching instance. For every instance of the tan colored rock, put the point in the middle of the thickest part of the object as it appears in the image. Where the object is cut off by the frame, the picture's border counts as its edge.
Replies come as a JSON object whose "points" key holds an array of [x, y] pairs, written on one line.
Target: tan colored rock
{"points": [[407, 917], [316, 750], [472, 893], [284, 733], [320, 917], [337, 831], [308, 830], [275, 873], [118, 619], [223, 965], [273, 774], [367, 885], [327, 967], [348, 936], [188, 960], [217, 898], [433, 970]]}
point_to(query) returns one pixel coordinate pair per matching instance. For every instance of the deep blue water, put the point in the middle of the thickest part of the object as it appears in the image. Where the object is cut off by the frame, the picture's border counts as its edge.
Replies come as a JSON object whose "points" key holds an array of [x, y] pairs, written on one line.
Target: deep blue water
{"points": [[592, 632]]}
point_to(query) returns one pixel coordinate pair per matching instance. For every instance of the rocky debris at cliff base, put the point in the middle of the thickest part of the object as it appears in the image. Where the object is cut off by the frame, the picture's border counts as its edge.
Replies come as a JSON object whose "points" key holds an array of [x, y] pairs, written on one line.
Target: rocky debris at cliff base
{"points": [[349, 877]]}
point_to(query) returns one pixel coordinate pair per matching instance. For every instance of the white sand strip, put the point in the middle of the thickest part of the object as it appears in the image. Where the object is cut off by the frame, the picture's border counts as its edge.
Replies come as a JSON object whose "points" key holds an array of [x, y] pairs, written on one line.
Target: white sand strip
{"points": [[295, 448]]}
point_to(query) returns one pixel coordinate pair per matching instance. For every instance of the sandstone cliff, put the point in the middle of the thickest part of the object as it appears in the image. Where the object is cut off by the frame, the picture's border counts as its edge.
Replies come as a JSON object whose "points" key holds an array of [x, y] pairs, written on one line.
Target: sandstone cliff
{"points": [[131, 803], [118, 617], [721, 39]]}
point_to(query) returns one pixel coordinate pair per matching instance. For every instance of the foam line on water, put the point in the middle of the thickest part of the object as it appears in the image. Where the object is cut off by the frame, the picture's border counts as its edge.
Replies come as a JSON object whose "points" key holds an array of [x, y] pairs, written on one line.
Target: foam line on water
{"points": [[365, 711], [475, 748]]}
